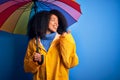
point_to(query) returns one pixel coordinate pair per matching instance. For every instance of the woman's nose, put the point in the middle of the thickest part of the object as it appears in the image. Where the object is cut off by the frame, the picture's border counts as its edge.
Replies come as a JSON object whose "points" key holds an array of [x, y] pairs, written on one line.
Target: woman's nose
{"points": [[56, 22]]}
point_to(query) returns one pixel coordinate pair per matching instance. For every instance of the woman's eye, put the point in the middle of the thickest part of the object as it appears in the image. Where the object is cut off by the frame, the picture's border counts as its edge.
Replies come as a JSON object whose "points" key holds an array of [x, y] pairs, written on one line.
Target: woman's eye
{"points": [[52, 20]]}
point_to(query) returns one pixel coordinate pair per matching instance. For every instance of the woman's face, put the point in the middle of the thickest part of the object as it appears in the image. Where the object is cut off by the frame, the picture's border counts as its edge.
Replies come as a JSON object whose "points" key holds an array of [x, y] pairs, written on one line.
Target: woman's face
{"points": [[53, 24]]}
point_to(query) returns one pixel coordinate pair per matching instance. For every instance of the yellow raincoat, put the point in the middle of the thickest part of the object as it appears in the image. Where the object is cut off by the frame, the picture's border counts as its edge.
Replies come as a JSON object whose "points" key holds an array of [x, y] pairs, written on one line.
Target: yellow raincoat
{"points": [[60, 57]]}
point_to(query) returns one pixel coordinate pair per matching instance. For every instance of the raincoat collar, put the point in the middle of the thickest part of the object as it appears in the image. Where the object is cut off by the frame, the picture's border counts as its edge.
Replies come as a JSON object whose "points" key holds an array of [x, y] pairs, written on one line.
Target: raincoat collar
{"points": [[54, 42]]}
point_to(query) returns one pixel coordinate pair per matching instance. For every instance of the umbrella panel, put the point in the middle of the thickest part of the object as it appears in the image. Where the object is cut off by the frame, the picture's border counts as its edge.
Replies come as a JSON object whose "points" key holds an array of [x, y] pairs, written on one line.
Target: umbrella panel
{"points": [[16, 21]]}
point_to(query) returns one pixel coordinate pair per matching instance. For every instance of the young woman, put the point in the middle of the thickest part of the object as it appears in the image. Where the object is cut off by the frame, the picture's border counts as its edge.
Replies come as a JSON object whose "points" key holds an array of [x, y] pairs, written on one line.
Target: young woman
{"points": [[56, 47]]}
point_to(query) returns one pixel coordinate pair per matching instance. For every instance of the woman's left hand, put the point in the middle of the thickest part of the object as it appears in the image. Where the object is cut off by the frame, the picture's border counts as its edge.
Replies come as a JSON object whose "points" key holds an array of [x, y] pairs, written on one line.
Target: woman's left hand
{"points": [[64, 33]]}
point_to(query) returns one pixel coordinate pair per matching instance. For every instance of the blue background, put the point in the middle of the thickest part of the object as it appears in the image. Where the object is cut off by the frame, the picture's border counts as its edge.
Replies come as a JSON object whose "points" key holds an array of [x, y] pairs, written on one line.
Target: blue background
{"points": [[97, 36]]}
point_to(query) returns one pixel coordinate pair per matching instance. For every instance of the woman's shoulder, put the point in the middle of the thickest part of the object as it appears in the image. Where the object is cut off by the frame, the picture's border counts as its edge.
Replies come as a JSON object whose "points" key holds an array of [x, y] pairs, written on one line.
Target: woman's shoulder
{"points": [[31, 41], [67, 37]]}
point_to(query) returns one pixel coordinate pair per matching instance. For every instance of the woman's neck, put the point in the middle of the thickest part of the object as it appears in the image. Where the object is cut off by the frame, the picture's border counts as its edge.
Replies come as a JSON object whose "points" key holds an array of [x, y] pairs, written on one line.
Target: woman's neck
{"points": [[48, 32]]}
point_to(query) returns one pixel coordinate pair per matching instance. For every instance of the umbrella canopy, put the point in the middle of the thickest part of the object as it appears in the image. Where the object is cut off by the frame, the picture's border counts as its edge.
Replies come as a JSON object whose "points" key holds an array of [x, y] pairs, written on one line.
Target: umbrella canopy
{"points": [[15, 14]]}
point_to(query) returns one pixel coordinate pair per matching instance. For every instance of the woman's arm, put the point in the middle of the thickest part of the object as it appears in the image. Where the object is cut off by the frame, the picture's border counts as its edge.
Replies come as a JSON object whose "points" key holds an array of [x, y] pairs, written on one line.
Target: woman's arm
{"points": [[68, 50], [29, 64]]}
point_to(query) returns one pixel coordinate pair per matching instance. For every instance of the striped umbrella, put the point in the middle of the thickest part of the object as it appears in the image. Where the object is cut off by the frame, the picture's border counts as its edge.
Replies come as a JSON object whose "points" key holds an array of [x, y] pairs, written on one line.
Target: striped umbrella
{"points": [[15, 14]]}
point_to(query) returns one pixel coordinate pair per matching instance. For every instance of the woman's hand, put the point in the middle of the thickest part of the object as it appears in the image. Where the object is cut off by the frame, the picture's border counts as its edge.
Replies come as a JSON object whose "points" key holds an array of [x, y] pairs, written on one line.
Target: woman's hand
{"points": [[64, 33], [37, 57]]}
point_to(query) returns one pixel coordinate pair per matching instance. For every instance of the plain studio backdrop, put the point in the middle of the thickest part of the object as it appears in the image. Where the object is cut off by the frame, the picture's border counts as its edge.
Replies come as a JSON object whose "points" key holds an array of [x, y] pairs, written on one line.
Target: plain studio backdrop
{"points": [[97, 37]]}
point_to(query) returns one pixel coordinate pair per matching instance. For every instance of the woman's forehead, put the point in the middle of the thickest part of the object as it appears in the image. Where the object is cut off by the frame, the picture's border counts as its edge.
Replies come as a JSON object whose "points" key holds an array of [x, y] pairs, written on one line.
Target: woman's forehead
{"points": [[53, 16]]}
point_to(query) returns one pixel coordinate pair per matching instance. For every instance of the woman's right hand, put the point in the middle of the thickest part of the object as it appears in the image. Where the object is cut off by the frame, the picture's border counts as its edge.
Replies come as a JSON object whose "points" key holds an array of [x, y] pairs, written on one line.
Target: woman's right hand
{"points": [[37, 57]]}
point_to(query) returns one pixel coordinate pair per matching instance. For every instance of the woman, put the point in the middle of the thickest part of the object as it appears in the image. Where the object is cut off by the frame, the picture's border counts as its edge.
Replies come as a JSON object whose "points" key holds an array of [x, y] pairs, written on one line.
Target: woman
{"points": [[56, 47]]}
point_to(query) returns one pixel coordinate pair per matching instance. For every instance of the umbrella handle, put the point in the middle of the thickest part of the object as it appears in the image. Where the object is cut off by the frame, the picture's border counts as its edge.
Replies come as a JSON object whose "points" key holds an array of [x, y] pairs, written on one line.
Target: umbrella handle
{"points": [[37, 50], [42, 59], [35, 6], [35, 9]]}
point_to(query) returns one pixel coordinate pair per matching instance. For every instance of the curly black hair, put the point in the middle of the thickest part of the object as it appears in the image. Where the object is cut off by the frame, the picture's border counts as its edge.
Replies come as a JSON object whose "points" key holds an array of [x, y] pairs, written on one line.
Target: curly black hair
{"points": [[38, 24]]}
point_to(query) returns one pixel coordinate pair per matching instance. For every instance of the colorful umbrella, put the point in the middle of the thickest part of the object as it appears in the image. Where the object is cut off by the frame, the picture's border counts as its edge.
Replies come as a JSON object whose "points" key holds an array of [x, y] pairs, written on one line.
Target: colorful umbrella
{"points": [[15, 14]]}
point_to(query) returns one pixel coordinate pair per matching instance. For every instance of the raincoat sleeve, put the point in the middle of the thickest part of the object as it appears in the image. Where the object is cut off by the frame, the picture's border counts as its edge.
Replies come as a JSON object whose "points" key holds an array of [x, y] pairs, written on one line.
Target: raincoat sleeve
{"points": [[29, 64], [68, 51]]}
